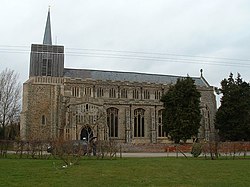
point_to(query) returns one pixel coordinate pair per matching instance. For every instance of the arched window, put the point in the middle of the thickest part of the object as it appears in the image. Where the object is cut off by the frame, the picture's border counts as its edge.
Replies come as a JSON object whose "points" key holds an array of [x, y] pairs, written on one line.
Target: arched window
{"points": [[139, 123], [161, 132], [75, 91], [112, 93], [157, 95], [67, 134], [87, 91], [146, 94], [124, 93], [100, 92], [112, 121], [135, 94]]}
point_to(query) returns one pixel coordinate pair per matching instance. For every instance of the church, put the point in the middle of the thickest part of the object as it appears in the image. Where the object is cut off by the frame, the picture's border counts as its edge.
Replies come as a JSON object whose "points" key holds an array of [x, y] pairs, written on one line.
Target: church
{"points": [[76, 104]]}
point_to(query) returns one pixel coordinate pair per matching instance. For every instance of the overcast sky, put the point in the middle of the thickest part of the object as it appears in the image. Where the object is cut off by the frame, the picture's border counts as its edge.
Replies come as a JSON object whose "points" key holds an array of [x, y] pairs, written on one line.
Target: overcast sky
{"points": [[173, 36]]}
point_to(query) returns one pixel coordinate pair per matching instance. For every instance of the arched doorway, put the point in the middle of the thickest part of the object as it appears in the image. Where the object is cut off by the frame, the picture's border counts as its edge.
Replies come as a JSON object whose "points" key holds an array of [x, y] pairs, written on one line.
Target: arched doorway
{"points": [[86, 133]]}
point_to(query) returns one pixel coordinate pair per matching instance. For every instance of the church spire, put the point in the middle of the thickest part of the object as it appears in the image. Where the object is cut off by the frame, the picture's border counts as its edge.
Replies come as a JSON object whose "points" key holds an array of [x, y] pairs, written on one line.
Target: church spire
{"points": [[47, 34]]}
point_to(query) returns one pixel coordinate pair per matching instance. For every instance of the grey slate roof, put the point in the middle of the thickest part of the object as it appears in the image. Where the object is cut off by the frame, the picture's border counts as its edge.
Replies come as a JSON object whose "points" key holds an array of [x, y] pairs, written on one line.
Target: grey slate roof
{"points": [[128, 76]]}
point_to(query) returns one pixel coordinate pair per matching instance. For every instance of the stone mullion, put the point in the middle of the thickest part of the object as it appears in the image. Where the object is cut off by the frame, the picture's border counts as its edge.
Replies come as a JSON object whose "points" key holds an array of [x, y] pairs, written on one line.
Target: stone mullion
{"points": [[127, 125], [52, 104], [153, 125]]}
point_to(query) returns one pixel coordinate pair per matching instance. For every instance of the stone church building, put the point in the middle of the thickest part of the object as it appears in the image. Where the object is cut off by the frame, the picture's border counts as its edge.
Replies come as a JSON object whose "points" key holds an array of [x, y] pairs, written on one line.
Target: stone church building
{"points": [[78, 104]]}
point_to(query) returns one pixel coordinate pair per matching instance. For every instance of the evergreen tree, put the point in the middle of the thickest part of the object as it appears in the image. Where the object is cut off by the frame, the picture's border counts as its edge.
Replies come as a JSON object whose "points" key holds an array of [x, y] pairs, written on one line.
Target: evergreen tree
{"points": [[233, 116], [181, 116]]}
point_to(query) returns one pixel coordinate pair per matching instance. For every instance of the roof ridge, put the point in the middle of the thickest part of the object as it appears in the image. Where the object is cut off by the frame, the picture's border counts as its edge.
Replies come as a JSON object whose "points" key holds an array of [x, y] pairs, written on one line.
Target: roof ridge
{"points": [[132, 72]]}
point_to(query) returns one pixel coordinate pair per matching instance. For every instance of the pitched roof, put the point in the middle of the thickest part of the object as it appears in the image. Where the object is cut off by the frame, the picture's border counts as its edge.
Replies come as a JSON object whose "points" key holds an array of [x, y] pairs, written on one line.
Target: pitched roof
{"points": [[128, 76]]}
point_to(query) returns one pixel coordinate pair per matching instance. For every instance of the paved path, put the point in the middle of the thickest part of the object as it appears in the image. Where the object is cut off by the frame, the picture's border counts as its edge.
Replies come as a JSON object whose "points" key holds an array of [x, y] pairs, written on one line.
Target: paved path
{"points": [[154, 155], [138, 155], [172, 154]]}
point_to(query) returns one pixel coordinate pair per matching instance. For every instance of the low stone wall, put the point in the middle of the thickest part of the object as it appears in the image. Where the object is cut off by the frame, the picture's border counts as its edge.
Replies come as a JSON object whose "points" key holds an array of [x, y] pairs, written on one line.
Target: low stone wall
{"points": [[146, 148]]}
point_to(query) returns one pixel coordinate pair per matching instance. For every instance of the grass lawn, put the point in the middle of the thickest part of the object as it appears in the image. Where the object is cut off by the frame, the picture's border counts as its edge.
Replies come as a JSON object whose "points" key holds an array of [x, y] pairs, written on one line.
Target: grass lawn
{"points": [[126, 172]]}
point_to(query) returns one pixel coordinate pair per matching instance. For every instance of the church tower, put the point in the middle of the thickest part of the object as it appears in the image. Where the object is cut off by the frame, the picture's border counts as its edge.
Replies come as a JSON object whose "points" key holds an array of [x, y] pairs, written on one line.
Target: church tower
{"points": [[46, 59]]}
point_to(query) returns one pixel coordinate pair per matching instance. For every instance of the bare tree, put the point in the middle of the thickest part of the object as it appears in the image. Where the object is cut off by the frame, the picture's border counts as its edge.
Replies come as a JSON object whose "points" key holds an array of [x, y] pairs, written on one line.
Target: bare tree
{"points": [[10, 95], [93, 120]]}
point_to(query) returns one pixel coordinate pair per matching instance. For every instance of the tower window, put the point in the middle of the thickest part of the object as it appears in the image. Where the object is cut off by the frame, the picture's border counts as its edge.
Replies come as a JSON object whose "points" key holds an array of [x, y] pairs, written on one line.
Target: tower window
{"points": [[47, 67], [67, 134], [44, 64], [43, 120]]}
